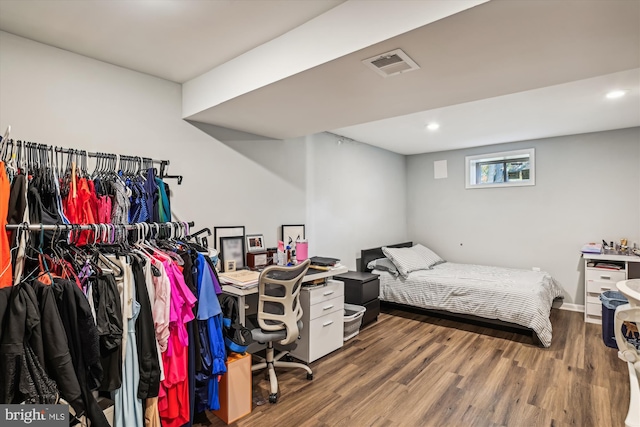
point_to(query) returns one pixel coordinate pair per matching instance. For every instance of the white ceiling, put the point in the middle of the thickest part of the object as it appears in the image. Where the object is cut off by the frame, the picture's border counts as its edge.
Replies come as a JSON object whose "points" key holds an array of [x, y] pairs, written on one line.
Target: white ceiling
{"points": [[173, 39], [501, 71]]}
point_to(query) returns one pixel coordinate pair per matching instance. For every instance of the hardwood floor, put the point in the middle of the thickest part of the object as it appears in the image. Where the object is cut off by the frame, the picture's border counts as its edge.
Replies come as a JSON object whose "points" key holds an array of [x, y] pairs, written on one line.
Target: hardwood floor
{"points": [[410, 369]]}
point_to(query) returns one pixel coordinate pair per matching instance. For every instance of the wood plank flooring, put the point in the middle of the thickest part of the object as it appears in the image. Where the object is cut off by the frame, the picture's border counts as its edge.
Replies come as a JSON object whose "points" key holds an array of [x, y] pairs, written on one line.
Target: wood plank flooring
{"points": [[410, 369]]}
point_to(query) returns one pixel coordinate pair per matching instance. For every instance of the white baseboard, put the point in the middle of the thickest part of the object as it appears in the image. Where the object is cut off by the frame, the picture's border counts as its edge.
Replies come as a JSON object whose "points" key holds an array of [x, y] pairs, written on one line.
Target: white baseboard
{"points": [[559, 303]]}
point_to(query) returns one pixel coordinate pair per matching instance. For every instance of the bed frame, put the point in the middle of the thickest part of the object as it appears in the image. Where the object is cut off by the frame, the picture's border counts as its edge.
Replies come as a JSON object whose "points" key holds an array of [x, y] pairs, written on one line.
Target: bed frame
{"points": [[368, 255]]}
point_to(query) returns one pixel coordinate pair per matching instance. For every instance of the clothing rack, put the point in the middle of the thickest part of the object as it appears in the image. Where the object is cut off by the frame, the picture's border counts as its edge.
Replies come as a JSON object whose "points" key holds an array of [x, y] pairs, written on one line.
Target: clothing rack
{"points": [[98, 154], [81, 227], [163, 163], [142, 160]]}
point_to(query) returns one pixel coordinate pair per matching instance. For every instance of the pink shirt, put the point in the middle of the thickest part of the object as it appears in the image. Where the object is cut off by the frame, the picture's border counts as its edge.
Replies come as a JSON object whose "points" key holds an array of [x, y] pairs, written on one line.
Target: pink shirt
{"points": [[161, 309], [174, 390]]}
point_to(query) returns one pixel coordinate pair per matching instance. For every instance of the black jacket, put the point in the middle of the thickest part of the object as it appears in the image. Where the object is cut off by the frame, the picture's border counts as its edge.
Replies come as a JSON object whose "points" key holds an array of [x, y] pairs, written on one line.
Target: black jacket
{"points": [[54, 339], [106, 301], [148, 362], [22, 377], [84, 346]]}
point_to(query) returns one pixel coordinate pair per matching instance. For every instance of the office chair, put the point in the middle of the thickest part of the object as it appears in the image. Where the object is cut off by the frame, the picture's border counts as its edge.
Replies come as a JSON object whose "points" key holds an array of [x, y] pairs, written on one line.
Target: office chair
{"points": [[279, 315]]}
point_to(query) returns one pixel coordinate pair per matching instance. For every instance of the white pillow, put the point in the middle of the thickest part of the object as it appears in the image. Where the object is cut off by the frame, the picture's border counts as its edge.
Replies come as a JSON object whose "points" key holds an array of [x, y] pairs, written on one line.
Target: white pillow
{"points": [[405, 259], [427, 255], [383, 264]]}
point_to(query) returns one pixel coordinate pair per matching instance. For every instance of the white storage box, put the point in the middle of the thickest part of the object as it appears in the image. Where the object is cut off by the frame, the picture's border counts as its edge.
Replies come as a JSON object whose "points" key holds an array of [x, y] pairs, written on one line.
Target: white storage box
{"points": [[352, 320]]}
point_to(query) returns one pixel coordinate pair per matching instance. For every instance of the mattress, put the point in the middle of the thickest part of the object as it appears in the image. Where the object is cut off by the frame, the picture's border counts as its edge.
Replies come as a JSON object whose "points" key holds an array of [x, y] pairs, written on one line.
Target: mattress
{"points": [[523, 297]]}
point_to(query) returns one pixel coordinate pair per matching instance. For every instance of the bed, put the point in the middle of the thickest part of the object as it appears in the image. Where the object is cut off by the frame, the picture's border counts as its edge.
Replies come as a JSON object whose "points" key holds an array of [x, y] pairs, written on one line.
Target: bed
{"points": [[509, 297]]}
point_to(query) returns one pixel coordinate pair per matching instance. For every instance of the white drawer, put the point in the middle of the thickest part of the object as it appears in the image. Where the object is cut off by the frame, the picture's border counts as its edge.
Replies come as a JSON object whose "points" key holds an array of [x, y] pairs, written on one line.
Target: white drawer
{"points": [[326, 307], [599, 286], [602, 275], [594, 309], [331, 290], [326, 334], [593, 297]]}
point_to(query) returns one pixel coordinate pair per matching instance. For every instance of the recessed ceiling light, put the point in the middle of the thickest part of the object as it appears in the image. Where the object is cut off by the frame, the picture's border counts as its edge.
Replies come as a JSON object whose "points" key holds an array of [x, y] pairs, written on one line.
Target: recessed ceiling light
{"points": [[433, 126], [616, 94]]}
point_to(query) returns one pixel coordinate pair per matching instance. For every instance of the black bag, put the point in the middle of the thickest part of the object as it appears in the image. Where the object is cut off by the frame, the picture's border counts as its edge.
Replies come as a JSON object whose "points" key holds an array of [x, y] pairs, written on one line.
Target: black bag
{"points": [[236, 336]]}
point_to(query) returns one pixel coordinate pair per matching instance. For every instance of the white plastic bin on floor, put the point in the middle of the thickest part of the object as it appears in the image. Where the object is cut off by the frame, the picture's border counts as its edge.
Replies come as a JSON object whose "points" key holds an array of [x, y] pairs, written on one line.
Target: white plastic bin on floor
{"points": [[352, 320]]}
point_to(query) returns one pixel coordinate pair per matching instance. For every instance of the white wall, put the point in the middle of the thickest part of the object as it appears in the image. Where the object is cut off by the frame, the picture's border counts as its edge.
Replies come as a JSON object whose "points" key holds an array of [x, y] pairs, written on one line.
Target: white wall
{"points": [[358, 194], [587, 189], [59, 98]]}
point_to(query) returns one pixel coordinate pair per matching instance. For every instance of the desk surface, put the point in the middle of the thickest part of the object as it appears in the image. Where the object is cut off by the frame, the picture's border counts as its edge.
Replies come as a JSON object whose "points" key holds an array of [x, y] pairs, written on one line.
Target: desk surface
{"points": [[232, 290]]}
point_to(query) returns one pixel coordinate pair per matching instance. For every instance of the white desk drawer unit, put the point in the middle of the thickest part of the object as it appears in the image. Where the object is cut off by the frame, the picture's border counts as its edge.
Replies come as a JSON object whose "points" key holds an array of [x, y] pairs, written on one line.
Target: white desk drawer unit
{"points": [[323, 312], [597, 280]]}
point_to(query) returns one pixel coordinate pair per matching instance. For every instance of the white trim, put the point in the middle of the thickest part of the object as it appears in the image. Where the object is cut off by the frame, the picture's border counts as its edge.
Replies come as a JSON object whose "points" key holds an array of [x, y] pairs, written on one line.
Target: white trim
{"points": [[559, 303], [470, 162]]}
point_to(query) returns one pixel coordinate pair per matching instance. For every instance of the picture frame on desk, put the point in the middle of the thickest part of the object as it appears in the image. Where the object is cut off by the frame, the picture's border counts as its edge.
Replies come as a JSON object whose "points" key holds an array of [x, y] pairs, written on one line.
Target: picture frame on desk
{"points": [[292, 233], [232, 249], [255, 243], [226, 231]]}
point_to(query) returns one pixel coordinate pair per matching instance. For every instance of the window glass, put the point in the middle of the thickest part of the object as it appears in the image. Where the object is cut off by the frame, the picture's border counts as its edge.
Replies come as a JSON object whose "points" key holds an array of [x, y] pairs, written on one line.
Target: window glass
{"points": [[510, 168]]}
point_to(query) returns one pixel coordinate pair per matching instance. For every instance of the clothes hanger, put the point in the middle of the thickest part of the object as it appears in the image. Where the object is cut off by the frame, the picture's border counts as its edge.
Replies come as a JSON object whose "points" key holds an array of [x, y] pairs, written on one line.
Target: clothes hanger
{"points": [[7, 132], [161, 252], [4, 145]]}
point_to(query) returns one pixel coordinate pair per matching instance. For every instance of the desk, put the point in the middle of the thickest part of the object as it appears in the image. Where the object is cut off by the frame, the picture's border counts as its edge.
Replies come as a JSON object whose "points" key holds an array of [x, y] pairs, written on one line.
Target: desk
{"points": [[242, 294], [322, 314], [598, 280]]}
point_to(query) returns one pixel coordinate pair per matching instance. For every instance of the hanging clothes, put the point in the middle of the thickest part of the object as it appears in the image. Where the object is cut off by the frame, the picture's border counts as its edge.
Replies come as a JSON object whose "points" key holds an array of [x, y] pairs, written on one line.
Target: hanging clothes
{"points": [[162, 305], [151, 189], [138, 211], [23, 377], [6, 271], [82, 337], [17, 200], [175, 387], [106, 299], [121, 204], [58, 358], [101, 327], [149, 363], [210, 327], [127, 405], [164, 207]]}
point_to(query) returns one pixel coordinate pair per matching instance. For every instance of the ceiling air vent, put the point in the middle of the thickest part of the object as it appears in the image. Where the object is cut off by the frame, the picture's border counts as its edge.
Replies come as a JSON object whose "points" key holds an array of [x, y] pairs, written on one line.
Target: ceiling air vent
{"points": [[391, 63]]}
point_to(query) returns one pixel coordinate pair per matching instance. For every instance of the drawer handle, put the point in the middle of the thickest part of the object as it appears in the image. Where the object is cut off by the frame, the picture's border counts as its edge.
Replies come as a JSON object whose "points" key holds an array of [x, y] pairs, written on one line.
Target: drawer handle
{"points": [[327, 307], [327, 323], [605, 277], [328, 293], [604, 288]]}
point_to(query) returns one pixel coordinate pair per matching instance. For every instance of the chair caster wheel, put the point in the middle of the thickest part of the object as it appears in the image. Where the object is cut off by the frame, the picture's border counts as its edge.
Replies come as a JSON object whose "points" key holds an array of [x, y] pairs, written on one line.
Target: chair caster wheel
{"points": [[288, 358], [309, 377], [273, 398]]}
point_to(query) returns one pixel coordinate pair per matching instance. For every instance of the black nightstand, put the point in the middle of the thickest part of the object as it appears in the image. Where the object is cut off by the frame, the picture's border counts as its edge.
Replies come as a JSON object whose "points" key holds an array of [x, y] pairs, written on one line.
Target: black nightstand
{"points": [[362, 289]]}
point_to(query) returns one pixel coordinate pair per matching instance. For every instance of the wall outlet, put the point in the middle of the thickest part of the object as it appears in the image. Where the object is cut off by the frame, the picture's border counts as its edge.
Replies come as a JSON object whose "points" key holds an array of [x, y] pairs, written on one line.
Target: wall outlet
{"points": [[535, 268]]}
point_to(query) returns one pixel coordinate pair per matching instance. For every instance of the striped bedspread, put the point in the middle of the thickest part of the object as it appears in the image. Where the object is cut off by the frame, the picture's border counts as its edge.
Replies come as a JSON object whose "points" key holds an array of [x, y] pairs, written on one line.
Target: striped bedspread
{"points": [[523, 297]]}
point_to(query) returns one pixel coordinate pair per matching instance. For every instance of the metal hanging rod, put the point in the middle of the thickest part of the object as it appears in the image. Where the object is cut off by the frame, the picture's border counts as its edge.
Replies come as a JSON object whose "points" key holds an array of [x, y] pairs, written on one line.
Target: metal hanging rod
{"points": [[163, 163], [79, 227], [98, 154]]}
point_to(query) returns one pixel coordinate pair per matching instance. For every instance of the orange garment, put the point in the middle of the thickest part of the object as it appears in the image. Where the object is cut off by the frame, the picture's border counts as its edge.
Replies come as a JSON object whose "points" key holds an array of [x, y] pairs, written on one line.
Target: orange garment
{"points": [[6, 272], [151, 415]]}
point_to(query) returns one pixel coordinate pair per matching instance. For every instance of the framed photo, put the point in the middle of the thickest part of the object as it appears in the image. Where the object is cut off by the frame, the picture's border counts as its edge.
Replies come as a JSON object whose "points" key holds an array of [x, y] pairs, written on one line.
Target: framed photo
{"points": [[231, 231], [255, 243], [291, 233], [232, 249]]}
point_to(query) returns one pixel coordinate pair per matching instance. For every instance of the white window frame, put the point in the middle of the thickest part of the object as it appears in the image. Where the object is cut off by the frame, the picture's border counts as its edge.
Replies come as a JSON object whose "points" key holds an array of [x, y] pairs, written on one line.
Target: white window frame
{"points": [[472, 161]]}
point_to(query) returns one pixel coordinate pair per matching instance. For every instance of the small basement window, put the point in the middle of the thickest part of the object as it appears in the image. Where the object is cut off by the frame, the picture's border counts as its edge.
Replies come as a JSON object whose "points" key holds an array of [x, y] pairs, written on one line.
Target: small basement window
{"points": [[505, 169]]}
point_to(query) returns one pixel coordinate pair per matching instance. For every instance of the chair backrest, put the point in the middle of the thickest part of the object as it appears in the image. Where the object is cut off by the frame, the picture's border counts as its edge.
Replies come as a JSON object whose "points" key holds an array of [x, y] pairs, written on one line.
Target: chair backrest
{"points": [[278, 300]]}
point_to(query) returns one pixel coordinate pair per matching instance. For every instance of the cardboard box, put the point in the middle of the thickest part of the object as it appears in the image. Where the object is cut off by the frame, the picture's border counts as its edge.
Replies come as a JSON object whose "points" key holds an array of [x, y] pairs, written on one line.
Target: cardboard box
{"points": [[235, 389]]}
